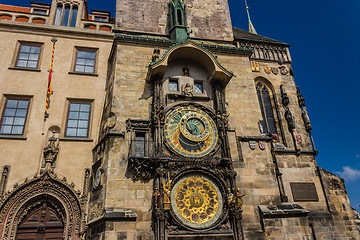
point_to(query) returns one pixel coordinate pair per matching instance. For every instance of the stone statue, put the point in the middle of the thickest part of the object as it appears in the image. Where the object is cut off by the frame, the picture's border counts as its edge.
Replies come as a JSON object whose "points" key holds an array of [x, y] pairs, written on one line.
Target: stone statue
{"points": [[157, 198], [230, 199], [51, 151], [186, 72], [306, 119], [290, 119], [187, 90], [167, 192], [223, 118], [238, 200]]}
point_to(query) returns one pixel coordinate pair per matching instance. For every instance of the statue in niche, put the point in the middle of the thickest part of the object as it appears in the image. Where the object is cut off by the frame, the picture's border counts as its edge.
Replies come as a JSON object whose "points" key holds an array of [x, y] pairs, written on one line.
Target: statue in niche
{"points": [[51, 151], [290, 119], [223, 118], [158, 114], [167, 192], [230, 199], [157, 198], [306, 119], [156, 55], [238, 197], [186, 72], [187, 90]]}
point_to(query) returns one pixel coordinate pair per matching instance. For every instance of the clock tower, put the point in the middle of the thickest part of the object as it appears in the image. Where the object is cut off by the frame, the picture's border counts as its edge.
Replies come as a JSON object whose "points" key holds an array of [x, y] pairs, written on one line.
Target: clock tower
{"points": [[200, 125]]}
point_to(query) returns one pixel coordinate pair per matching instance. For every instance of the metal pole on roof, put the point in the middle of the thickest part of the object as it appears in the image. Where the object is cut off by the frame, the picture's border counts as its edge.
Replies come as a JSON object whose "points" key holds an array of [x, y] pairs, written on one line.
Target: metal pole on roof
{"points": [[251, 26]]}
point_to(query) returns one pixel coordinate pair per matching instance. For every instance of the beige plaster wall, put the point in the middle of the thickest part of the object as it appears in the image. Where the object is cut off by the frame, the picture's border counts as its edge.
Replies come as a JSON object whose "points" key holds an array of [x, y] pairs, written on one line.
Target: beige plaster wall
{"points": [[25, 156]]}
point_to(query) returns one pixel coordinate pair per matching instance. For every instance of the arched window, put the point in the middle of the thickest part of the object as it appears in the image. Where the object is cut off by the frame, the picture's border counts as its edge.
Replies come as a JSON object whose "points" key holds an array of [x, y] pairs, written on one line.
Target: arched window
{"points": [[74, 16], [267, 108], [179, 17], [58, 15], [65, 21], [66, 15]]}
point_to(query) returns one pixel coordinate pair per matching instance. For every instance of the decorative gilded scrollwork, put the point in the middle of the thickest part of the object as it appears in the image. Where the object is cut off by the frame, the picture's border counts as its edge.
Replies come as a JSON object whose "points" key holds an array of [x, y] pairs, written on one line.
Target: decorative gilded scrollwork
{"points": [[196, 201]]}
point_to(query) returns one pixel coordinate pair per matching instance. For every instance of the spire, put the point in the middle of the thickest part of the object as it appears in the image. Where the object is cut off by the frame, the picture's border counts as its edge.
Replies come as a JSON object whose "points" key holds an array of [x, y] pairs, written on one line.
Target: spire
{"points": [[251, 26]]}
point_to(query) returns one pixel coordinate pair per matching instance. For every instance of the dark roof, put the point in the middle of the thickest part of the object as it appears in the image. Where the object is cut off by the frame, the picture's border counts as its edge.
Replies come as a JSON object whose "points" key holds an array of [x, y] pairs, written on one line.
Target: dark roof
{"points": [[240, 34], [40, 3]]}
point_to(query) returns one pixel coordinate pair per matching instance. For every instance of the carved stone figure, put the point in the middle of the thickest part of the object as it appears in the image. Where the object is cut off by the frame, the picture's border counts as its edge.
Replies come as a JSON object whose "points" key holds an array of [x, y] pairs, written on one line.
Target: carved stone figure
{"points": [[155, 55], [186, 72], [111, 121], [51, 151], [187, 90], [300, 97], [158, 114], [284, 97], [222, 118], [230, 199], [157, 198], [290, 119], [167, 192], [306, 119], [238, 200]]}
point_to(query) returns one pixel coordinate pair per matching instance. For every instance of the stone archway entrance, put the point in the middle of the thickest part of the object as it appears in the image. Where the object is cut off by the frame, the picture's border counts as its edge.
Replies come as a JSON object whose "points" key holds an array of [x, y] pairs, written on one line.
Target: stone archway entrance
{"points": [[42, 223]]}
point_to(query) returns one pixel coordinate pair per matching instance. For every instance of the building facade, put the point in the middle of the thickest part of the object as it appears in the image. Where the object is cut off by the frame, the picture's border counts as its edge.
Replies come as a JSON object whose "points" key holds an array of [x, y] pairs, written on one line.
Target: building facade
{"points": [[163, 123]]}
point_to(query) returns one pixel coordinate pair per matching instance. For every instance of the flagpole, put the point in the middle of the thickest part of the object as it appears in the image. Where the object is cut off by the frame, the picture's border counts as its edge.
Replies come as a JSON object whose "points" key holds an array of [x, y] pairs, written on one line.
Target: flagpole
{"points": [[49, 89]]}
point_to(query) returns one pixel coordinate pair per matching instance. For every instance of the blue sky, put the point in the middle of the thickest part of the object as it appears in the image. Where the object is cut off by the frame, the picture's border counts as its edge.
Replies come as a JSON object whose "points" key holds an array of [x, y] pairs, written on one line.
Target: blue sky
{"points": [[325, 62]]}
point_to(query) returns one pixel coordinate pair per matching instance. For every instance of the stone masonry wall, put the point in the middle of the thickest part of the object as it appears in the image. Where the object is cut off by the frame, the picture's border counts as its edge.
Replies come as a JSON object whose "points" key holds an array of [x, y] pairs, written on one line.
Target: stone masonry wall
{"points": [[209, 20]]}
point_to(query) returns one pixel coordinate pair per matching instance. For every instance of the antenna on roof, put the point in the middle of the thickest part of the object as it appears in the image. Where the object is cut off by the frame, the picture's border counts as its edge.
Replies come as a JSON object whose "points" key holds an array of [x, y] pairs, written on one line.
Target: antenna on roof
{"points": [[251, 26]]}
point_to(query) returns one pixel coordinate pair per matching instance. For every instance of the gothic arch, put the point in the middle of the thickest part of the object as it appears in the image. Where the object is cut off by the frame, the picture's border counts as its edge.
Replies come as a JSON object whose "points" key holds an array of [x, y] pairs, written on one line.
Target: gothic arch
{"points": [[45, 188], [270, 124]]}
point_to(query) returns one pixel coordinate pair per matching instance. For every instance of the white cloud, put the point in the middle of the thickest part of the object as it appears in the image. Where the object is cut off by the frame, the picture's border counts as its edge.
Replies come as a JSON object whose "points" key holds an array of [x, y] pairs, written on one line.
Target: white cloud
{"points": [[349, 174]]}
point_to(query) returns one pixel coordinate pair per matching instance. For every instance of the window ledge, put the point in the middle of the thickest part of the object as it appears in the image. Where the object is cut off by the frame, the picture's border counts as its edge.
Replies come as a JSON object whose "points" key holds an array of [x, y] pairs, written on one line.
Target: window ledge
{"points": [[25, 69], [74, 139], [83, 73], [15, 137]]}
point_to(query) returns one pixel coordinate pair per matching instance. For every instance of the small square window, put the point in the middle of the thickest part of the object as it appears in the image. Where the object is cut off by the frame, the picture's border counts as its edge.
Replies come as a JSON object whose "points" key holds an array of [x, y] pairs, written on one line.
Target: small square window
{"points": [[173, 85], [14, 116], [77, 124], [198, 87], [28, 56], [40, 11], [85, 61], [100, 19]]}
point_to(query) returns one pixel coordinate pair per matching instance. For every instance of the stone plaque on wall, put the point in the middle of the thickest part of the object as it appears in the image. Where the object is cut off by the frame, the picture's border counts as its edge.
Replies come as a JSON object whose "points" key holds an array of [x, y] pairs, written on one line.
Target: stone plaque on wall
{"points": [[304, 192]]}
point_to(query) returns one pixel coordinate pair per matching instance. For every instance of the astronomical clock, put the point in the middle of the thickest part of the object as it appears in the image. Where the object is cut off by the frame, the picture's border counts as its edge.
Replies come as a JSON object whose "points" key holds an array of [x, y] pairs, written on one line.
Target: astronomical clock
{"points": [[190, 132]]}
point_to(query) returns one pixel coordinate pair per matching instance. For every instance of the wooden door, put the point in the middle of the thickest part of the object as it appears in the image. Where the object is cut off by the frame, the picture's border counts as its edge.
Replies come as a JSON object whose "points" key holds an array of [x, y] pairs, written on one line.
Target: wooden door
{"points": [[43, 223]]}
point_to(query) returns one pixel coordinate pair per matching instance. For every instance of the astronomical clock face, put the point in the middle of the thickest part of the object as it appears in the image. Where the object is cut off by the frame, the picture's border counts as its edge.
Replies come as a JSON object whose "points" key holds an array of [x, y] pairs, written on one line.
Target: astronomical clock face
{"points": [[190, 132], [196, 201]]}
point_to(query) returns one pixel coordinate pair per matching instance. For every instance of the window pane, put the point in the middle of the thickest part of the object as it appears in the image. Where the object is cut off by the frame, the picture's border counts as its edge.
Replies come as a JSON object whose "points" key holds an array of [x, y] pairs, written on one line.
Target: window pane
{"points": [[32, 64], [21, 113], [81, 54], [74, 106], [21, 63], [5, 129], [84, 115], [25, 49], [85, 107], [90, 63], [90, 55], [71, 132], [66, 16], [140, 144], [19, 121], [82, 132], [35, 49], [89, 69], [22, 104], [173, 85], [79, 68], [10, 112], [198, 88], [73, 17], [8, 120], [17, 130], [11, 103], [72, 123], [58, 15], [83, 124], [34, 56], [23, 56], [80, 61], [74, 115]]}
